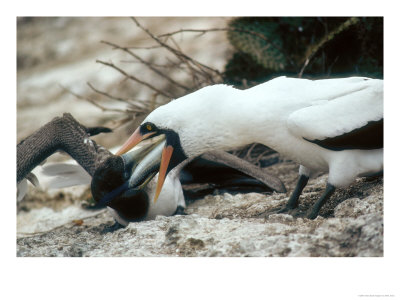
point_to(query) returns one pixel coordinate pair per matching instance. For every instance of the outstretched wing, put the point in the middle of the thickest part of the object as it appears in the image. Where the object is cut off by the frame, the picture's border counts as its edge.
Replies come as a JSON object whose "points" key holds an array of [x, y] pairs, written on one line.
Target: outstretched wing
{"points": [[224, 170]]}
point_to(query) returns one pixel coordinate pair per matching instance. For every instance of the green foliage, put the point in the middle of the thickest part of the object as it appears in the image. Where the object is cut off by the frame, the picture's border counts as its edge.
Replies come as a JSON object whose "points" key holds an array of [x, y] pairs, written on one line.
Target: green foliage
{"points": [[259, 39], [304, 46]]}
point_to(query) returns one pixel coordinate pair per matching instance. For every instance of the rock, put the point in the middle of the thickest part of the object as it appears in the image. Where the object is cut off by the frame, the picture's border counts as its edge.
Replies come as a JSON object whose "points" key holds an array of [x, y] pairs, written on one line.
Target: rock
{"points": [[355, 207], [221, 225], [280, 218], [194, 235]]}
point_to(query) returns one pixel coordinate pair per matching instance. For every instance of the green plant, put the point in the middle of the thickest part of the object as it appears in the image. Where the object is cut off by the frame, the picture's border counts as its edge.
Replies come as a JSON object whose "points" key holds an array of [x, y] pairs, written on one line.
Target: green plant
{"points": [[304, 47]]}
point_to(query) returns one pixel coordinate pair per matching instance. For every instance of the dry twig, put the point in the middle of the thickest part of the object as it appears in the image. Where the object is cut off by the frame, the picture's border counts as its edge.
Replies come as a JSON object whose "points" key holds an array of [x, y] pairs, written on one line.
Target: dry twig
{"points": [[95, 103], [255, 33], [328, 37], [138, 106], [177, 53], [148, 64], [108, 95], [199, 73], [131, 77]]}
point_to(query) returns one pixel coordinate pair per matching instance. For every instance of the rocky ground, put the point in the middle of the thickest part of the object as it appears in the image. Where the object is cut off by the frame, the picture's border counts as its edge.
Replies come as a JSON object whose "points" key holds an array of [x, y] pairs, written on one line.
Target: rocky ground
{"points": [[53, 223], [351, 224]]}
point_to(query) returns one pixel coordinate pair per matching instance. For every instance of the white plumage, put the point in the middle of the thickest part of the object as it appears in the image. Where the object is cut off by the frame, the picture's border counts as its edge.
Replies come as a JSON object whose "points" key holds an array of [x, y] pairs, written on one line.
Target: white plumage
{"points": [[282, 113], [339, 113], [279, 114]]}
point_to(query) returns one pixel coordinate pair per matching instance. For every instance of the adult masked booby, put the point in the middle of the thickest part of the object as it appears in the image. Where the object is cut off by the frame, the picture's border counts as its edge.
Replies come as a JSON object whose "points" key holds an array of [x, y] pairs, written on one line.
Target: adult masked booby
{"points": [[330, 125]]}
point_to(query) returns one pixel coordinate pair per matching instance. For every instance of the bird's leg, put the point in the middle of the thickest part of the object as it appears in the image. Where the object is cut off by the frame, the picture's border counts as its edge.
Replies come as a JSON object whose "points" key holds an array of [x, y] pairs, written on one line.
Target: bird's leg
{"points": [[110, 229], [330, 189], [293, 201], [180, 210]]}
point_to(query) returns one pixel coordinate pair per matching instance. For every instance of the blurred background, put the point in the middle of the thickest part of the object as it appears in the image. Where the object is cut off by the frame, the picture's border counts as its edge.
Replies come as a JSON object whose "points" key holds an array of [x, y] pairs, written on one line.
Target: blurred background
{"points": [[114, 71]]}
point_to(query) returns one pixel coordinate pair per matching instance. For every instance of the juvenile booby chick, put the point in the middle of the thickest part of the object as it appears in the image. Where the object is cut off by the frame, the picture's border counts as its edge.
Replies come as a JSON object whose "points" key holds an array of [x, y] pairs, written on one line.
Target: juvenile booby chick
{"points": [[330, 125], [125, 184], [97, 165], [129, 194]]}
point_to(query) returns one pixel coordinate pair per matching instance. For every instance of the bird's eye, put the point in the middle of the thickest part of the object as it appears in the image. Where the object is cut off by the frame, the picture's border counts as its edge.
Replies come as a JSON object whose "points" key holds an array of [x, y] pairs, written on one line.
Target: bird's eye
{"points": [[148, 127]]}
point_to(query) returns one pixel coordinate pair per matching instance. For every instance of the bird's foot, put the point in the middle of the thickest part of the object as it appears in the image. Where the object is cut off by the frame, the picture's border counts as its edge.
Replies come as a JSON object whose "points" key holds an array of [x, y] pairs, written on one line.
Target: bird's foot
{"points": [[312, 214], [281, 210], [287, 209], [110, 229], [314, 210], [273, 211], [180, 210]]}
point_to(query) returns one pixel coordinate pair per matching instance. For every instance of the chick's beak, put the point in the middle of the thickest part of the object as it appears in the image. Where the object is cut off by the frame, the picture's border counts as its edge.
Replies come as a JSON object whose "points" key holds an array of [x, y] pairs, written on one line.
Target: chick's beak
{"points": [[133, 140]]}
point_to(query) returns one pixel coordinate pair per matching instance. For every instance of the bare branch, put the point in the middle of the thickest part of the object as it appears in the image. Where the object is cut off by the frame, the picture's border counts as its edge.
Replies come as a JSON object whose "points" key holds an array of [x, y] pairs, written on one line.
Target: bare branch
{"points": [[255, 33], [313, 49], [108, 95], [144, 47], [123, 121], [95, 103], [135, 79], [137, 106], [248, 153], [149, 65], [264, 153], [174, 51], [200, 31], [194, 69], [165, 66]]}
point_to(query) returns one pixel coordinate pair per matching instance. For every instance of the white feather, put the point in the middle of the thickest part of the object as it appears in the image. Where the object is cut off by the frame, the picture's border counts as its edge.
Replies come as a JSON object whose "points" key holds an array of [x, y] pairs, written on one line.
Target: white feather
{"points": [[338, 115], [278, 114], [61, 175], [22, 189]]}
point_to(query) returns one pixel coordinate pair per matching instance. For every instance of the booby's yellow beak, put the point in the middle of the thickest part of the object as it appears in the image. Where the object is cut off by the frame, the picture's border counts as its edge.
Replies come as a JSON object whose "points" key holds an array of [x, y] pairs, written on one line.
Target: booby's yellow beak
{"points": [[166, 155], [133, 140]]}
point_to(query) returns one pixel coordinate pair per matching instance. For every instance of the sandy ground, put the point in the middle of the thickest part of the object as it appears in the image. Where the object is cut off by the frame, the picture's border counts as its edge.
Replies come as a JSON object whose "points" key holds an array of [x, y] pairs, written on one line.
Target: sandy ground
{"points": [[60, 52]]}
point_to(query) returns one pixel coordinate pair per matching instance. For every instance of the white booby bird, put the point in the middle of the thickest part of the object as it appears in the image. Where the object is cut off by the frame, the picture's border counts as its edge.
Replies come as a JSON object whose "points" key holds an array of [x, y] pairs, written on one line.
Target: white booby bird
{"points": [[330, 125]]}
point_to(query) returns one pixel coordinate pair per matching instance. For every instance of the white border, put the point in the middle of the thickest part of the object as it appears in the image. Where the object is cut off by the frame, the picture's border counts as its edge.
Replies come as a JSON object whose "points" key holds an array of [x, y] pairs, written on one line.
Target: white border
{"points": [[200, 278]]}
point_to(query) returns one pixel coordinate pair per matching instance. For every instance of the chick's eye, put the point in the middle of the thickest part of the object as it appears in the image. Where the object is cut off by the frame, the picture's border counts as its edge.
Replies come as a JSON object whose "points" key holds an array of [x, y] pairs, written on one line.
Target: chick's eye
{"points": [[148, 127]]}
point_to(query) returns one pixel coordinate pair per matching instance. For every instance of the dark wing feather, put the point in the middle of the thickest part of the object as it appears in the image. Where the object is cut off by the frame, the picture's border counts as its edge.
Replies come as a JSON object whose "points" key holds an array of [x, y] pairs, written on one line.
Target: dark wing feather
{"points": [[226, 170], [367, 137]]}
